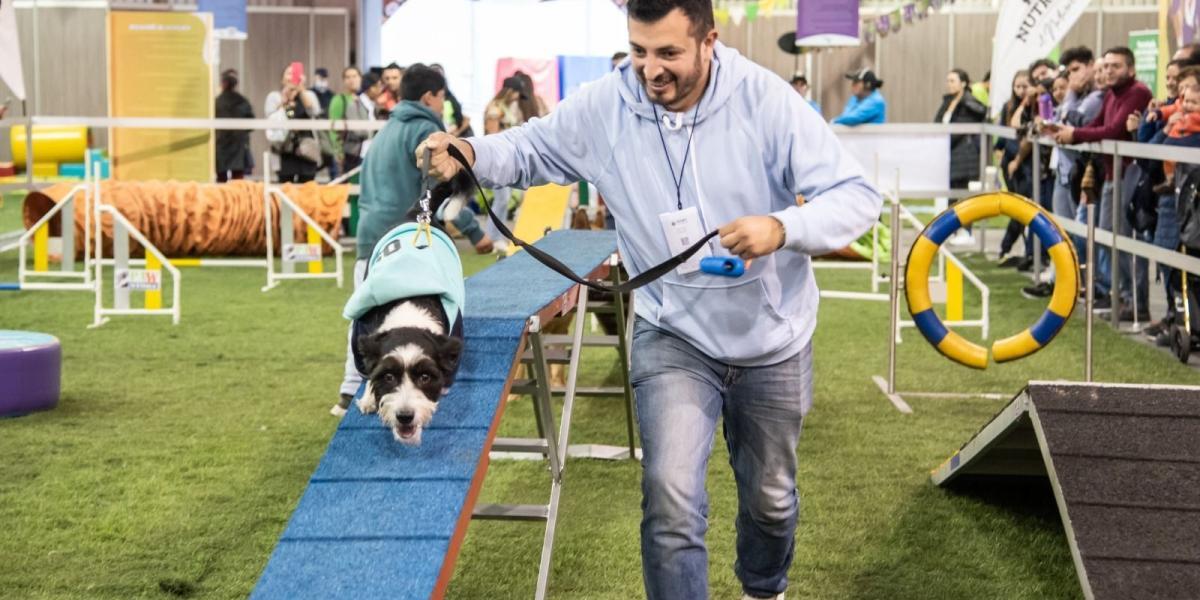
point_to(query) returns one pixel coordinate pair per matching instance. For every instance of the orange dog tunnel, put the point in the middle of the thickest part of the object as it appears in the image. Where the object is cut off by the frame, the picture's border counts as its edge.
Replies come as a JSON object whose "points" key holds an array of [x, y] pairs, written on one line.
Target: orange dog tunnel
{"points": [[194, 219]]}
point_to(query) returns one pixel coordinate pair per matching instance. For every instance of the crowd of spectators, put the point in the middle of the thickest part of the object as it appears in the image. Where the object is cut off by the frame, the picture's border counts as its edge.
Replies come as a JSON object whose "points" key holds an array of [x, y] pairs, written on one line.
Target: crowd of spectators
{"points": [[1087, 98]]}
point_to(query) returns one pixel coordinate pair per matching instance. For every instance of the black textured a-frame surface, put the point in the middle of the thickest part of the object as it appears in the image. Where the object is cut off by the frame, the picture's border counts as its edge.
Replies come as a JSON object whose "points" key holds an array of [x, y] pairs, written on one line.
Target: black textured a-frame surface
{"points": [[1126, 461], [1124, 464]]}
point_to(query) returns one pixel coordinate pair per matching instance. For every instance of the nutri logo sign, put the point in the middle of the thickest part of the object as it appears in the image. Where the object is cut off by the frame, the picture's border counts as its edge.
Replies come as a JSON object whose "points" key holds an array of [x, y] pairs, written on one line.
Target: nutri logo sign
{"points": [[139, 280]]}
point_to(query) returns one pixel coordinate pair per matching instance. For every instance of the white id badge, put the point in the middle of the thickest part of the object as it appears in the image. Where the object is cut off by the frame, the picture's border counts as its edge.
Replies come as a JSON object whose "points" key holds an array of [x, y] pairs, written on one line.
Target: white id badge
{"points": [[683, 229]]}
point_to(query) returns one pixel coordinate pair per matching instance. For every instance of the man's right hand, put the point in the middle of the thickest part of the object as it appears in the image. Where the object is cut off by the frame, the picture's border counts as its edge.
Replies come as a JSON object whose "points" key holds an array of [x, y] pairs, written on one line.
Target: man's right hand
{"points": [[441, 165], [1133, 120]]}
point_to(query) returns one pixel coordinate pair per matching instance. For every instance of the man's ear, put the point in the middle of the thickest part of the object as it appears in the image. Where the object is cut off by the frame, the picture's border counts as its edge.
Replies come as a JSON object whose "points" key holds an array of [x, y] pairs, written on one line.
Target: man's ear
{"points": [[709, 42]]}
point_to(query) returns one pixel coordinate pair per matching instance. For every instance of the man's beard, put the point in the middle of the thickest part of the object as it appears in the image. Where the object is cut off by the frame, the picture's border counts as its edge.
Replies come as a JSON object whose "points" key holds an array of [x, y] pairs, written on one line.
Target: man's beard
{"points": [[683, 87]]}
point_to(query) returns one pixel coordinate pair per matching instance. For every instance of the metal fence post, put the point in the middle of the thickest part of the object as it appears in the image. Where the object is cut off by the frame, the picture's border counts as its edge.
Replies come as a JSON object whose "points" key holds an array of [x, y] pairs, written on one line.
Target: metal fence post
{"points": [[1037, 199], [1090, 291], [1114, 262]]}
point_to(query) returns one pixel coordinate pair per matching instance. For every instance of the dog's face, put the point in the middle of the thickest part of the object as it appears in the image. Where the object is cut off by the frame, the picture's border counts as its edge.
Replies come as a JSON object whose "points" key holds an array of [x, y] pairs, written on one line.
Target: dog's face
{"points": [[408, 369]]}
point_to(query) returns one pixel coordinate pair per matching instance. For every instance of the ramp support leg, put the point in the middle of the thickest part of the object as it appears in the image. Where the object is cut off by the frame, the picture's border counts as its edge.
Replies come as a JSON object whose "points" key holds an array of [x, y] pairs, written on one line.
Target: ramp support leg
{"points": [[542, 401], [624, 335]]}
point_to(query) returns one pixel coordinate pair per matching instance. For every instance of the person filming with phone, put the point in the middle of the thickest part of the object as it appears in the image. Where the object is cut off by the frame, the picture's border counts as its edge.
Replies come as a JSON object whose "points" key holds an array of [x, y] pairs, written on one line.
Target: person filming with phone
{"points": [[297, 151]]}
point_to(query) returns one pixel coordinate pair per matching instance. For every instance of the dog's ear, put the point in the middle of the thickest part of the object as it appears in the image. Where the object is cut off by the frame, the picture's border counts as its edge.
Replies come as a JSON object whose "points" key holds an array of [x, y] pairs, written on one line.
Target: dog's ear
{"points": [[370, 348], [449, 351]]}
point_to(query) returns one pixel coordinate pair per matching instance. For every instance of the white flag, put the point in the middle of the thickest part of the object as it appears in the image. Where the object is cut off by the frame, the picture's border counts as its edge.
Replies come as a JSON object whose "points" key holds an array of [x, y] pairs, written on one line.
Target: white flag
{"points": [[1027, 30], [10, 50]]}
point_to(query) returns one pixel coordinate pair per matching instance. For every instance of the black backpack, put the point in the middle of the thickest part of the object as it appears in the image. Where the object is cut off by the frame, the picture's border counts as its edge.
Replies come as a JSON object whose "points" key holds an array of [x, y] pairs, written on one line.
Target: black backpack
{"points": [[1188, 198], [1142, 211]]}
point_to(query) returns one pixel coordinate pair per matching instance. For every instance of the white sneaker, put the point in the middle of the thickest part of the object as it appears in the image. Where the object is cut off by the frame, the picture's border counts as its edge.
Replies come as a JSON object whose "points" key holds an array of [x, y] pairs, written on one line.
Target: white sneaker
{"points": [[962, 238], [337, 411]]}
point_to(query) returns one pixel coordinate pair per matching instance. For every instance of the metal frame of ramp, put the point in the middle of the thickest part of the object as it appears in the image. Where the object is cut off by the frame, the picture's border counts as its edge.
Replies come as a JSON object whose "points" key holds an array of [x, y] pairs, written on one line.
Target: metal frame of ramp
{"points": [[383, 520], [1124, 464]]}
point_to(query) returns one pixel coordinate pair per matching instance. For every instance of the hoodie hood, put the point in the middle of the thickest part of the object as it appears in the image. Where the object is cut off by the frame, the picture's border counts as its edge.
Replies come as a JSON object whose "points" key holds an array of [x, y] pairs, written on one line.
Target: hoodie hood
{"points": [[725, 76], [409, 110]]}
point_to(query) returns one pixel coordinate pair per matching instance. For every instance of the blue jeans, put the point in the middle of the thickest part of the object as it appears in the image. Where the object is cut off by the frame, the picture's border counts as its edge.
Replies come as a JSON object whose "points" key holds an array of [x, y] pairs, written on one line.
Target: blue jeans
{"points": [[680, 395], [351, 378], [1081, 241], [1046, 201], [1064, 204], [1166, 235], [1104, 283]]}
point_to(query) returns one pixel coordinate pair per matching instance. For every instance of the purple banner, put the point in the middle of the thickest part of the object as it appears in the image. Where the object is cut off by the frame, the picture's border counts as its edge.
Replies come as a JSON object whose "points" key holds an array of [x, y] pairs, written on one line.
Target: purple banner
{"points": [[827, 23]]}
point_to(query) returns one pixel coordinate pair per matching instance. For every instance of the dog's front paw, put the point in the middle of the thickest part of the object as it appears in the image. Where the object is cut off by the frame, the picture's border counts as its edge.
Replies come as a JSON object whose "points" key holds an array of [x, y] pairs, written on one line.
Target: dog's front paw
{"points": [[367, 404]]}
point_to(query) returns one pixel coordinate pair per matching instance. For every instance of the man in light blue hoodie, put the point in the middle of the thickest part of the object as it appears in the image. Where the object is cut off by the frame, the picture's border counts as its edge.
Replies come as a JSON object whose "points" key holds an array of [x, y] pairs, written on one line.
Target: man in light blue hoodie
{"points": [[685, 137]]}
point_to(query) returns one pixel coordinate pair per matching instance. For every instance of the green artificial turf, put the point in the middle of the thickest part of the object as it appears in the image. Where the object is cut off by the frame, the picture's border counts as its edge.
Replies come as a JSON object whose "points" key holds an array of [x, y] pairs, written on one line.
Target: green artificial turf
{"points": [[177, 454], [10, 211]]}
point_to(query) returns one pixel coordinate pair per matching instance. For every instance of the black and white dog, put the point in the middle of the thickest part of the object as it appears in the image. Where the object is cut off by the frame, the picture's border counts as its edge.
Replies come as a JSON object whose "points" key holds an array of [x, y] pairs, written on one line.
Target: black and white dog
{"points": [[408, 349], [409, 357]]}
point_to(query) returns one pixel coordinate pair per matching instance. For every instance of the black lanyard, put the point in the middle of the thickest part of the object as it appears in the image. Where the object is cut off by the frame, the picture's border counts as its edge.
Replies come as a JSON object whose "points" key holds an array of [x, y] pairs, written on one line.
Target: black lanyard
{"points": [[553, 263], [686, 151]]}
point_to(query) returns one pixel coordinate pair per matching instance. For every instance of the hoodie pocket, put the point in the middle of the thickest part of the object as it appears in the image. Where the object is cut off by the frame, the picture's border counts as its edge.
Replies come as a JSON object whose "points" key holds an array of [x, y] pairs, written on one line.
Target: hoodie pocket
{"points": [[726, 322]]}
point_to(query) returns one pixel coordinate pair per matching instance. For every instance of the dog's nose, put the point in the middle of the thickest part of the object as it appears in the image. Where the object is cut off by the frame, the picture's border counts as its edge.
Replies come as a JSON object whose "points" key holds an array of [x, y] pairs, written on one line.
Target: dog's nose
{"points": [[405, 418]]}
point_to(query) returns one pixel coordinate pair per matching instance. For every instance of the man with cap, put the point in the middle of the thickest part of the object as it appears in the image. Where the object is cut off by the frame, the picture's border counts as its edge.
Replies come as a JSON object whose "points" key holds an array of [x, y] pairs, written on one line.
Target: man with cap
{"points": [[800, 84], [866, 104]]}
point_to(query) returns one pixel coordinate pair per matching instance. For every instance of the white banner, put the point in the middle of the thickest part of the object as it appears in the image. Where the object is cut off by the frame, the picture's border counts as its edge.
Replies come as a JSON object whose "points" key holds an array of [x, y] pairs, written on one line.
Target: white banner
{"points": [[10, 51], [922, 162], [1027, 30]]}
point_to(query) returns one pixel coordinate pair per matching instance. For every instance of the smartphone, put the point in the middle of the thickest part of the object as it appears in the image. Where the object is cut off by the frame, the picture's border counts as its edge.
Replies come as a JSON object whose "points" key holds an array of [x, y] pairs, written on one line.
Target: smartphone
{"points": [[297, 72]]}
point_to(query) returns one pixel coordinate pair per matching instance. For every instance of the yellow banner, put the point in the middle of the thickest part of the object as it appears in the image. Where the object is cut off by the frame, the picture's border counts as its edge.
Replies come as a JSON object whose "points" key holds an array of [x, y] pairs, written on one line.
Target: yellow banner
{"points": [[160, 65]]}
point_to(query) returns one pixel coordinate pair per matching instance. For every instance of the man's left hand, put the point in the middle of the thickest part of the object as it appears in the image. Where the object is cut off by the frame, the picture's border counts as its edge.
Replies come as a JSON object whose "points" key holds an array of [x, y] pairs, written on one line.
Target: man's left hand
{"points": [[1065, 135], [752, 237]]}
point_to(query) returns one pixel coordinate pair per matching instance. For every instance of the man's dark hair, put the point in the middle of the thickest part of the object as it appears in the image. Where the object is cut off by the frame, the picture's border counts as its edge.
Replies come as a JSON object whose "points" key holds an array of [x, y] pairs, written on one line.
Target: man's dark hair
{"points": [[321, 72], [1178, 62], [619, 56], [1192, 71], [1193, 54], [1123, 52], [368, 79], [698, 12], [229, 79], [1079, 54], [1042, 62], [419, 79], [393, 67], [799, 78]]}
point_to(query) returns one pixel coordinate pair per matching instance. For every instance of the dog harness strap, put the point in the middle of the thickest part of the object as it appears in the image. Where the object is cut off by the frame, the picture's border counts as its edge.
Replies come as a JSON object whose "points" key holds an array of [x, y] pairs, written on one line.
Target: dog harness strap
{"points": [[543, 257]]}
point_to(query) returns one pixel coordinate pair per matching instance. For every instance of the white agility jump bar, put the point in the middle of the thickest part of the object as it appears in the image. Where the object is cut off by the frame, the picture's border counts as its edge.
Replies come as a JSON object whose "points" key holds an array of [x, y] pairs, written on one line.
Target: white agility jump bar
{"points": [[287, 209], [122, 228]]}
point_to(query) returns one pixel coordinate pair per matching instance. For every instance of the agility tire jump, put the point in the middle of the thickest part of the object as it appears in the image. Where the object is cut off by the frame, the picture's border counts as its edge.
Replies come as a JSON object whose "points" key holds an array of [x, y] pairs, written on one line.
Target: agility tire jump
{"points": [[969, 210]]}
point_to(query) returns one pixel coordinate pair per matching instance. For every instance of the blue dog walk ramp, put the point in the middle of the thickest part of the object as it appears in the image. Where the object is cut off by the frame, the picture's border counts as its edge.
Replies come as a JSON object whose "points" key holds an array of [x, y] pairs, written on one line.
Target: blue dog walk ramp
{"points": [[383, 520]]}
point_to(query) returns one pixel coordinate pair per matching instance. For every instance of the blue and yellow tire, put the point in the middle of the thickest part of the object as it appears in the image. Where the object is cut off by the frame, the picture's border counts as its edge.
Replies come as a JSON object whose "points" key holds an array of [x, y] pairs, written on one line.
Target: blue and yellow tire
{"points": [[965, 212]]}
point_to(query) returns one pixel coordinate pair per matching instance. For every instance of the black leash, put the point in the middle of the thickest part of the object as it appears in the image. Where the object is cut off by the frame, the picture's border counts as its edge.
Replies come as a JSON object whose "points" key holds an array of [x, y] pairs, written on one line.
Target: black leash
{"points": [[728, 266]]}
